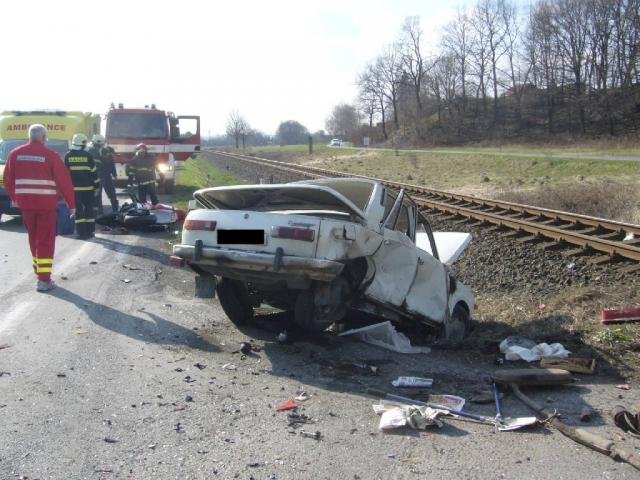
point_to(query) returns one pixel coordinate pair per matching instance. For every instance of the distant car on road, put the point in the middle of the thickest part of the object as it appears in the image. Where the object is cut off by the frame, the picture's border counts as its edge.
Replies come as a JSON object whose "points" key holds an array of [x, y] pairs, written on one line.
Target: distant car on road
{"points": [[335, 142], [320, 248]]}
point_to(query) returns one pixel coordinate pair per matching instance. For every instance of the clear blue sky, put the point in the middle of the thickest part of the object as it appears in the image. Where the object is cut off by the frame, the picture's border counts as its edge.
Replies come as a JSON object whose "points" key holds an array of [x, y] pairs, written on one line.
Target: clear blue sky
{"points": [[273, 61]]}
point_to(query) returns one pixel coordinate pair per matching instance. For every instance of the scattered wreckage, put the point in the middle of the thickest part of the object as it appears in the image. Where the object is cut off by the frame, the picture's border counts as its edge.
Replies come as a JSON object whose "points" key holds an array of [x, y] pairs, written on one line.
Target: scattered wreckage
{"points": [[320, 248]]}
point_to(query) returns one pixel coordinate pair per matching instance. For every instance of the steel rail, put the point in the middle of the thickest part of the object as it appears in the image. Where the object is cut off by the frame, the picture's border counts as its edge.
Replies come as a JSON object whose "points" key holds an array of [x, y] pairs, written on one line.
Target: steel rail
{"points": [[540, 225]]}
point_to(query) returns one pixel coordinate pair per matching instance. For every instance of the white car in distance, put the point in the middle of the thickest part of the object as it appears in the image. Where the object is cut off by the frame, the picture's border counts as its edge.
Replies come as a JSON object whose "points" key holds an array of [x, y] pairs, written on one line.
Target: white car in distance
{"points": [[321, 248]]}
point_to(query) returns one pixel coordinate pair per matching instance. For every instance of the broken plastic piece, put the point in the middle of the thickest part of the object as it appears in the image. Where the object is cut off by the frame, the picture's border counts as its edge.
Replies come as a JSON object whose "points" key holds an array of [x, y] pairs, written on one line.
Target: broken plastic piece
{"points": [[512, 350], [288, 405], [384, 335]]}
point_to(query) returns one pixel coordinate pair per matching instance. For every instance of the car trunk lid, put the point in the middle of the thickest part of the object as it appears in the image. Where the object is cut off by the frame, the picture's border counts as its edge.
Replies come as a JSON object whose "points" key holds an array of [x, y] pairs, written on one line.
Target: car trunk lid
{"points": [[274, 198]]}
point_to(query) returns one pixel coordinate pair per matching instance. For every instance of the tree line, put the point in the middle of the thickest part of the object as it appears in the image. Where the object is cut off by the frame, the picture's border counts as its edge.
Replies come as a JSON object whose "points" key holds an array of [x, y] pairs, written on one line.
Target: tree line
{"points": [[561, 67]]}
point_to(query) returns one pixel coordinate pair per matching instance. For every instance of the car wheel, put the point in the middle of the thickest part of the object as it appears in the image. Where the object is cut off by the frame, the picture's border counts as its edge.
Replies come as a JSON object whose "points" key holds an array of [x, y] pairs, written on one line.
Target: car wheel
{"points": [[317, 308], [234, 300], [457, 327]]}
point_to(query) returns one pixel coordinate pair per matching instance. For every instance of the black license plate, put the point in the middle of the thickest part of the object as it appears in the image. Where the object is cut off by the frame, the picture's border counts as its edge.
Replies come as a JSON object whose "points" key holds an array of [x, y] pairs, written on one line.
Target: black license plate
{"points": [[241, 237]]}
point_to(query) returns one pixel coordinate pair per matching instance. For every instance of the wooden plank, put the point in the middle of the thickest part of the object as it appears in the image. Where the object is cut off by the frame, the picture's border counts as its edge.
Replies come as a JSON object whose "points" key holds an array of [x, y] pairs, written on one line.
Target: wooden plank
{"points": [[571, 364]]}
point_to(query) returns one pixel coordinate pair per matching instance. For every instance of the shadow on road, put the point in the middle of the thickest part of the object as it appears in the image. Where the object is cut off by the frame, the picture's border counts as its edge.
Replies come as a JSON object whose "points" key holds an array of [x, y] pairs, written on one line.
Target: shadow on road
{"points": [[156, 330], [129, 249]]}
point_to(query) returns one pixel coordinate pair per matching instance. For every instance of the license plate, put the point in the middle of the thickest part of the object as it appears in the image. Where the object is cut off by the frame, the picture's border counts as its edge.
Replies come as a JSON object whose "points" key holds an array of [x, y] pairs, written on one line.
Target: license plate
{"points": [[240, 237]]}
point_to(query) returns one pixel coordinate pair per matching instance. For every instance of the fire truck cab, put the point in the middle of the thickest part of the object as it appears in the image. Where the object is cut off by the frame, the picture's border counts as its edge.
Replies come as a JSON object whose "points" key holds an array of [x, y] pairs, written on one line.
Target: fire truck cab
{"points": [[169, 138]]}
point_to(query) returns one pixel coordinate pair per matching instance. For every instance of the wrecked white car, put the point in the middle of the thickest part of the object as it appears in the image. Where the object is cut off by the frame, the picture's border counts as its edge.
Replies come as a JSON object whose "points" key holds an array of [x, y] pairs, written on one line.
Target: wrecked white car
{"points": [[321, 248]]}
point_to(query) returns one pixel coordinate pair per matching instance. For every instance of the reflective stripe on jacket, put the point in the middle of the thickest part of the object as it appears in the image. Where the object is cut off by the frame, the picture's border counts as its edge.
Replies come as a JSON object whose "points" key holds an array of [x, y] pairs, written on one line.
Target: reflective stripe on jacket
{"points": [[82, 168], [35, 175]]}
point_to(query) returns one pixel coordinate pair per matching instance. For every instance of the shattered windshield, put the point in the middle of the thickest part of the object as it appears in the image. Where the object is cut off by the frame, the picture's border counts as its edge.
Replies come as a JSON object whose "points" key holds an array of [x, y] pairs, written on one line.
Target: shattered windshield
{"points": [[136, 125]]}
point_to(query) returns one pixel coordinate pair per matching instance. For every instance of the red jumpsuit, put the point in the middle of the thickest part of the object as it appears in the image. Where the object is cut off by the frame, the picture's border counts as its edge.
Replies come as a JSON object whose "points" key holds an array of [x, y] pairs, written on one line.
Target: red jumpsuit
{"points": [[33, 177]]}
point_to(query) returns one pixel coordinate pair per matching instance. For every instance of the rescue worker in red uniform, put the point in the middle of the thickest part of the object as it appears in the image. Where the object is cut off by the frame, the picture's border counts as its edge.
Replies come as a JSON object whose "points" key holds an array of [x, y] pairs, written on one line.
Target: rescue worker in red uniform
{"points": [[85, 181], [33, 177], [143, 169]]}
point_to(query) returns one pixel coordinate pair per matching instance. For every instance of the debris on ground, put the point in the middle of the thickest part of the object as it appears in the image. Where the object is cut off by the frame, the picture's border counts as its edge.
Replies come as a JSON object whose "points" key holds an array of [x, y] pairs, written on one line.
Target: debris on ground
{"points": [[80, 331], [627, 421], [288, 405], [573, 364], [2, 374], [4, 345], [303, 397], [128, 266], [624, 386], [104, 469], [585, 414], [110, 440], [229, 366], [295, 419], [521, 348], [452, 402], [245, 348], [384, 335], [126, 280], [414, 416], [620, 315], [365, 366], [200, 366], [412, 382], [315, 435], [282, 337]]}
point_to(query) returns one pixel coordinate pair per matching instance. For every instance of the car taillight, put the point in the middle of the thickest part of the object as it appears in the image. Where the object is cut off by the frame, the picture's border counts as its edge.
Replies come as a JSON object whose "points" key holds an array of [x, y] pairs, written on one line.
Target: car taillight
{"points": [[293, 233], [209, 225]]}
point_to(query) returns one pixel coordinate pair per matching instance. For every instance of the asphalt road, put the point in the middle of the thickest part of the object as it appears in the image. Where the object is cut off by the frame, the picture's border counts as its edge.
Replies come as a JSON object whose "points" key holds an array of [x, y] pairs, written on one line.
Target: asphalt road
{"points": [[121, 373]]}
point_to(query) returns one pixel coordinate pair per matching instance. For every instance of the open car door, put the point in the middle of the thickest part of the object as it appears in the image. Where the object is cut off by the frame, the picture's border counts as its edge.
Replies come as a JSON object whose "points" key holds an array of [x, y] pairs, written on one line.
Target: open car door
{"points": [[185, 136], [407, 277]]}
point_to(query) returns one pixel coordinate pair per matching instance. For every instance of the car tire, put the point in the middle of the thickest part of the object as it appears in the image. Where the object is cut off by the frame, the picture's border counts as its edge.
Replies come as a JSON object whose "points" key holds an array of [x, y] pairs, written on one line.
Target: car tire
{"points": [[457, 326], [234, 300]]}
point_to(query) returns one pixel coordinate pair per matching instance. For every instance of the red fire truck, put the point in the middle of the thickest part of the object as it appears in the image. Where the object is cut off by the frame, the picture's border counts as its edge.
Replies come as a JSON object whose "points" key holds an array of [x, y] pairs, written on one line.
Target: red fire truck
{"points": [[169, 137]]}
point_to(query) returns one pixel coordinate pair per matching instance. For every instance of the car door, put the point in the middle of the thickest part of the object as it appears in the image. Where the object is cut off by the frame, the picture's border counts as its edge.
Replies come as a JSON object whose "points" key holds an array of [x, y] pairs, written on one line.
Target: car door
{"points": [[396, 260], [406, 276]]}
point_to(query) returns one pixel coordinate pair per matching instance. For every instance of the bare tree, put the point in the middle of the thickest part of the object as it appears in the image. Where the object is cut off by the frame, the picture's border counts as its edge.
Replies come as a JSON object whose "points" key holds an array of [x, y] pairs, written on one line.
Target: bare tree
{"points": [[389, 67], [237, 128], [343, 121], [457, 42], [413, 62]]}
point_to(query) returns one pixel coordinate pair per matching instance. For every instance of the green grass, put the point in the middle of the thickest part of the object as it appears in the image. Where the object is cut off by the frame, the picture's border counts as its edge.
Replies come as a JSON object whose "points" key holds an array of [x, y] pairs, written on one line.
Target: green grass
{"points": [[487, 171], [195, 174]]}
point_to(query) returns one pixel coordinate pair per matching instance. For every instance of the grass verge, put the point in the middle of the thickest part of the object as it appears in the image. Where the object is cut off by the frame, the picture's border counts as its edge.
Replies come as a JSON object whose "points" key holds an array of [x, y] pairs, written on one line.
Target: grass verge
{"points": [[195, 174]]}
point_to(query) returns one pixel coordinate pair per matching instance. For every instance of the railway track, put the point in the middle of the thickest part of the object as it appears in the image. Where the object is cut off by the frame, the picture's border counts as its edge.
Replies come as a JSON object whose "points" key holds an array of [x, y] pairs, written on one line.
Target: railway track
{"points": [[607, 240]]}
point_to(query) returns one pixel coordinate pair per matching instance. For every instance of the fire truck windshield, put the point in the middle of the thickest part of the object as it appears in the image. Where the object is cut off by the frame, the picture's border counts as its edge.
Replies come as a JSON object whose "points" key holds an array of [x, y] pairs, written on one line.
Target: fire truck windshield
{"points": [[136, 125]]}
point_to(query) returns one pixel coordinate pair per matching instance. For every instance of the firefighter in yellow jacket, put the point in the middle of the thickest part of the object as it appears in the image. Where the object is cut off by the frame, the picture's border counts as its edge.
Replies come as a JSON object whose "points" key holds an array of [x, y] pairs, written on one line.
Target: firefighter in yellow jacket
{"points": [[85, 180]]}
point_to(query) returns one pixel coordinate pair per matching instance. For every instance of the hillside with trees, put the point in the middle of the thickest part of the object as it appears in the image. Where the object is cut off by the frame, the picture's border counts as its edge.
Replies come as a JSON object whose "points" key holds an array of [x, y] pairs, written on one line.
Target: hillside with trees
{"points": [[559, 69]]}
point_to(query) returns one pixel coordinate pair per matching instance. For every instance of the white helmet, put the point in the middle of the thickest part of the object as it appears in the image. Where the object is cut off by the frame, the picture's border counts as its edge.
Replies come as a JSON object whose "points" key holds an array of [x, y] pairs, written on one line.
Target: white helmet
{"points": [[98, 139], [79, 140]]}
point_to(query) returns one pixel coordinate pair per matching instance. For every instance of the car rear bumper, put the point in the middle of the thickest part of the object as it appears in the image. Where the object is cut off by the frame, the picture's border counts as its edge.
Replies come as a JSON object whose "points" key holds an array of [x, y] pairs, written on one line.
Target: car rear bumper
{"points": [[262, 264]]}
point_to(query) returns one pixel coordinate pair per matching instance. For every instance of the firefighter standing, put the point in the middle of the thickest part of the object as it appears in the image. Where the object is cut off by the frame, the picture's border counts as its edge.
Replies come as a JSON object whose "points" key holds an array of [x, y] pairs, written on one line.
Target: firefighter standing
{"points": [[143, 169], [83, 174], [106, 169], [33, 177]]}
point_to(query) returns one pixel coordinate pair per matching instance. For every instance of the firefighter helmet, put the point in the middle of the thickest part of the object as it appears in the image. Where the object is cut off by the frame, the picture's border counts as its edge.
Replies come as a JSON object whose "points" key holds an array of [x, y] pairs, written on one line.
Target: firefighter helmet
{"points": [[98, 139], [141, 146], [79, 140]]}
